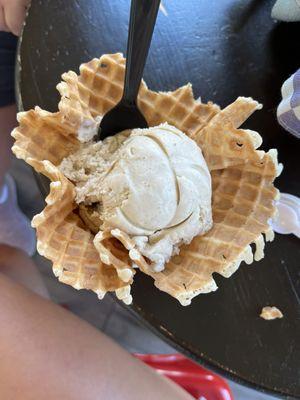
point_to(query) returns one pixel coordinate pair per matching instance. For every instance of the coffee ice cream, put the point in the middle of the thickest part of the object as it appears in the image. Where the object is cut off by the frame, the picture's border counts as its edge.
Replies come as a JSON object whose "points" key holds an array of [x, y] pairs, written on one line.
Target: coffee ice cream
{"points": [[153, 184]]}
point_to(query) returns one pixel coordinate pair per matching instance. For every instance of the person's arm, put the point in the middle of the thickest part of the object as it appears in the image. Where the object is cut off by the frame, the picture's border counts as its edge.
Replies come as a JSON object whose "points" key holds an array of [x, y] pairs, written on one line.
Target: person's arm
{"points": [[48, 353], [12, 14]]}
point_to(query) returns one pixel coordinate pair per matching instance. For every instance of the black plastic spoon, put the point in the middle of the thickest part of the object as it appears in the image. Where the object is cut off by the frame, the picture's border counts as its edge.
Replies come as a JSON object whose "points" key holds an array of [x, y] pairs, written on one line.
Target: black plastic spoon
{"points": [[126, 115]]}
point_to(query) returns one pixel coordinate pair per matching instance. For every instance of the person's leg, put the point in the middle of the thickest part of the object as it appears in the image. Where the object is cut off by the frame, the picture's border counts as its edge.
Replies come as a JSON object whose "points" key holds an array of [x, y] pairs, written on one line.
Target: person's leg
{"points": [[7, 123], [8, 44], [15, 228], [48, 353], [19, 267]]}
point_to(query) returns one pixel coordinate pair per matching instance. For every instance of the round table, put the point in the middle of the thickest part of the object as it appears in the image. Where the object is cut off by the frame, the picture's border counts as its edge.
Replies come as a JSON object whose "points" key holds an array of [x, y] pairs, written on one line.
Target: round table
{"points": [[225, 48]]}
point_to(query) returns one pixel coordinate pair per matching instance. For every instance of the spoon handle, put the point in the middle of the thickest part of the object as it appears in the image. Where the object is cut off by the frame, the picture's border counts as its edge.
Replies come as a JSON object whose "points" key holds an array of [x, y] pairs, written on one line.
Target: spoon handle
{"points": [[142, 20]]}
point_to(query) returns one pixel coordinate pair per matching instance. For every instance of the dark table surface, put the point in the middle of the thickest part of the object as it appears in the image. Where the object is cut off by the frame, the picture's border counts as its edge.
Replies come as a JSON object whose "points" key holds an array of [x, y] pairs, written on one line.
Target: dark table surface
{"points": [[226, 48]]}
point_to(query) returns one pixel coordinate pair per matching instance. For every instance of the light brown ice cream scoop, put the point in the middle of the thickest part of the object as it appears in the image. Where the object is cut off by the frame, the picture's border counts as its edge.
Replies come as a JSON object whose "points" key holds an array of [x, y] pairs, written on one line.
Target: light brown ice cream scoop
{"points": [[153, 184]]}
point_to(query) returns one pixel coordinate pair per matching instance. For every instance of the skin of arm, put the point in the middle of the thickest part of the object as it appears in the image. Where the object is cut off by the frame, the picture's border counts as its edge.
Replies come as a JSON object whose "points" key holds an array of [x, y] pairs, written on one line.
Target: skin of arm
{"points": [[48, 353], [12, 15]]}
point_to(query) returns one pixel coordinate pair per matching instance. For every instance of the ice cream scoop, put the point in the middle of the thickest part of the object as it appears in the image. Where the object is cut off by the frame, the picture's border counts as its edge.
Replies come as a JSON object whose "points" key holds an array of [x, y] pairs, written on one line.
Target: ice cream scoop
{"points": [[152, 184]]}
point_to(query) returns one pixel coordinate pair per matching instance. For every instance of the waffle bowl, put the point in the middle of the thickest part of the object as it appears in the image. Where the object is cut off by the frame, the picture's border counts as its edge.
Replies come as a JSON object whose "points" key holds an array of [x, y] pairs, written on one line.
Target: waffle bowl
{"points": [[242, 179]]}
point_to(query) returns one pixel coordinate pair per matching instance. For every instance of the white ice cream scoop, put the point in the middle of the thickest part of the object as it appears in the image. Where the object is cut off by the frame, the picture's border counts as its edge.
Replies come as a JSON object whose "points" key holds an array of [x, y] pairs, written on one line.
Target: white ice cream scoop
{"points": [[152, 184], [158, 192]]}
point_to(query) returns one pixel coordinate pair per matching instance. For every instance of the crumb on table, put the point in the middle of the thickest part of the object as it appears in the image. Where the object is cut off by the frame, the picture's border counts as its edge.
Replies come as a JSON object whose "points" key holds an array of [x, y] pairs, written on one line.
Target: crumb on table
{"points": [[269, 313]]}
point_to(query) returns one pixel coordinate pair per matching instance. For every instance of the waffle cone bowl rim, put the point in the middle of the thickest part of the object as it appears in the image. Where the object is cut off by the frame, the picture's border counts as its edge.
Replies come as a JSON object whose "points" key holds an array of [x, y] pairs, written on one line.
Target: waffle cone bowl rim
{"points": [[73, 112]]}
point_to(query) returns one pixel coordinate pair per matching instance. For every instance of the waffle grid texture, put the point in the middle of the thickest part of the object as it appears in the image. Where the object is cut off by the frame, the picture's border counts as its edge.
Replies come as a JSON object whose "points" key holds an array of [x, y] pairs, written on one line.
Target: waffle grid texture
{"points": [[243, 198]]}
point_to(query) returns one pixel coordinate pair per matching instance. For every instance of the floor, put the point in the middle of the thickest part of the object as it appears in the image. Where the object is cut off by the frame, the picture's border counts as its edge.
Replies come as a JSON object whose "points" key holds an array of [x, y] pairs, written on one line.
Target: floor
{"points": [[105, 315]]}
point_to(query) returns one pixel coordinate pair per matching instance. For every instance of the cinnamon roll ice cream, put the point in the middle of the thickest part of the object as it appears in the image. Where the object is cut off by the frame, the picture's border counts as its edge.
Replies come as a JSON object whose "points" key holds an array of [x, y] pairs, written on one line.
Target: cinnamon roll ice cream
{"points": [[153, 184]]}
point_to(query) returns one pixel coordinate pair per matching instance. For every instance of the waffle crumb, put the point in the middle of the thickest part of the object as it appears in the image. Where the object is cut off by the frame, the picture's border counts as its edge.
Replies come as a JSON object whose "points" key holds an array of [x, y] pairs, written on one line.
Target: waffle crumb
{"points": [[269, 313]]}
